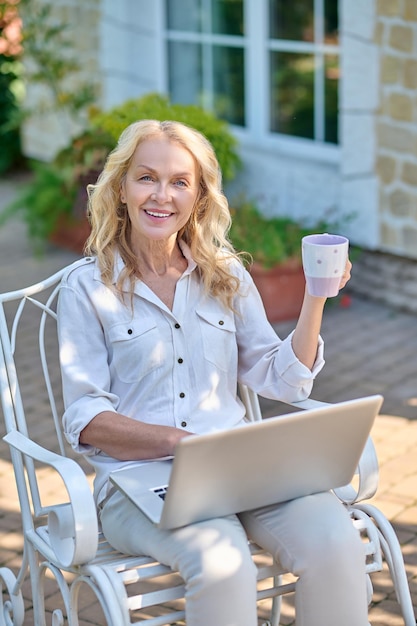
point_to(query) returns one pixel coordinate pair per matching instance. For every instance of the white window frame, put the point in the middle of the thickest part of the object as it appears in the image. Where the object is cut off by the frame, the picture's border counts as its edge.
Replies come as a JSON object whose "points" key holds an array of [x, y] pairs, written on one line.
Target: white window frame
{"points": [[257, 47]]}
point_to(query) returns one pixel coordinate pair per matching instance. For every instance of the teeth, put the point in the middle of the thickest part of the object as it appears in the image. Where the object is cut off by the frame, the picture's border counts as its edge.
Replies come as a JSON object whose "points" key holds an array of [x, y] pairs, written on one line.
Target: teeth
{"points": [[158, 214]]}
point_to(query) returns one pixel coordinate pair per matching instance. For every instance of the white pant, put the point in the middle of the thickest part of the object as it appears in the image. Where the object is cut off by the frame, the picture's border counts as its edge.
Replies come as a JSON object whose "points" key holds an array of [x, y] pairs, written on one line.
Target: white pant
{"points": [[313, 537]]}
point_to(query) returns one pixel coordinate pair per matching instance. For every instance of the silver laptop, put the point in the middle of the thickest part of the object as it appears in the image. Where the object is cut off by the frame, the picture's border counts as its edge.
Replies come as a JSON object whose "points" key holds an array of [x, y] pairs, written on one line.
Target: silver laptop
{"points": [[259, 463]]}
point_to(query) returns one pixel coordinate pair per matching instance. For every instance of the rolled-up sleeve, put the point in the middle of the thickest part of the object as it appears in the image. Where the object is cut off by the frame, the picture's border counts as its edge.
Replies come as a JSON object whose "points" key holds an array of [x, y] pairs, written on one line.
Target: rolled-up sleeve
{"points": [[268, 364], [84, 365]]}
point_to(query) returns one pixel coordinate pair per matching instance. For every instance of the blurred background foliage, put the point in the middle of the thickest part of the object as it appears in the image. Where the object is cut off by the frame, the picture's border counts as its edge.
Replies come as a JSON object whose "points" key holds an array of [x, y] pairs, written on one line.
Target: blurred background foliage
{"points": [[36, 49], [10, 86]]}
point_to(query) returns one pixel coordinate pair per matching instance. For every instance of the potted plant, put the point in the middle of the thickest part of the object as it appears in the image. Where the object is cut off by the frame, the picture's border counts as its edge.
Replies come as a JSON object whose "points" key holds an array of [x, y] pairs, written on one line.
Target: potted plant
{"points": [[274, 248]]}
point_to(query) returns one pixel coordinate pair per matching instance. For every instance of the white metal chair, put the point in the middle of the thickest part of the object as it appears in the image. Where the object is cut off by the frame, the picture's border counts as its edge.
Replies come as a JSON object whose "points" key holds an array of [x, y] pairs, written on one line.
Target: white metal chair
{"points": [[61, 532]]}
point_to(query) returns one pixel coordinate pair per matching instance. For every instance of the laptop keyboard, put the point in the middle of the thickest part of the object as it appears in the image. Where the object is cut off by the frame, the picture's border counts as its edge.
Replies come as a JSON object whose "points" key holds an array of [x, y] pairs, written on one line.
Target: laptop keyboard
{"points": [[161, 491]]}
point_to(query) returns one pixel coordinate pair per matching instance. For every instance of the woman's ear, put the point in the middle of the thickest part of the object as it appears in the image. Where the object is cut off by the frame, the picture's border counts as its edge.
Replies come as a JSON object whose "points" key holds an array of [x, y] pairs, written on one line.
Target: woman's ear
{"points": [[122, 193]]}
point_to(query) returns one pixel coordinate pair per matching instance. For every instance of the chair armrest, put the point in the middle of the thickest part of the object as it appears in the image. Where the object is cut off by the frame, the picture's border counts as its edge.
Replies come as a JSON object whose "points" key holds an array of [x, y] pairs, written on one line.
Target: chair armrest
{"points": [[367, 476], [73, 527]]}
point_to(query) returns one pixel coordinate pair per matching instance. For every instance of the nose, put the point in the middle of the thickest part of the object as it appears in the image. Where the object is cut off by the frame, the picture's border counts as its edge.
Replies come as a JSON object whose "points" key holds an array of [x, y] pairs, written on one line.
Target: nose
{"points": [[161, 193]]}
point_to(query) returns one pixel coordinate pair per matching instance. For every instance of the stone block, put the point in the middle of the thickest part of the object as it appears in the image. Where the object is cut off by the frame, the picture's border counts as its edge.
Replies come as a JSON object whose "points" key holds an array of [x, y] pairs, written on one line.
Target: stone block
{"points": [[410, 72], [400, 107], [409, 236], [379, 33], [389, 236], [410, 10], [395, 138], [386, 168], [399, 203], [409, 173], [383, 201], [388, 8], [390, 69], [401, 38]]}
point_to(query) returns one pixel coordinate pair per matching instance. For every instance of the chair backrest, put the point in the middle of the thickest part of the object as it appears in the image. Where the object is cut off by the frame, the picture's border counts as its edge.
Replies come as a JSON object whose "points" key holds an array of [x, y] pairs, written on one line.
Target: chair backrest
{"points": [[30, 381]]}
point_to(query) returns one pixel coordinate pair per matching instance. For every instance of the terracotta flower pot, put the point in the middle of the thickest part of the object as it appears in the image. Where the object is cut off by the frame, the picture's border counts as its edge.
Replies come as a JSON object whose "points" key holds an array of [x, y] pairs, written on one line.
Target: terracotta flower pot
{"points": [[281, 288], [71, 233]]}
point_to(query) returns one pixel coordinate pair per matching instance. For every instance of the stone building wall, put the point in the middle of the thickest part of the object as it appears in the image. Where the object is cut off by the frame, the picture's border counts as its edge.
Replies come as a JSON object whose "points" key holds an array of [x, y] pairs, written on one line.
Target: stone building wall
{"points": [[396, 125]]}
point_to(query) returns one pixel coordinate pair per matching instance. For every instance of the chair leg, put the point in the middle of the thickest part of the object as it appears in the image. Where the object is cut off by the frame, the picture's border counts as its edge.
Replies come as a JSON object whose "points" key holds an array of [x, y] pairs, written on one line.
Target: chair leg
{"points": [[393, 555], [276, 604]]}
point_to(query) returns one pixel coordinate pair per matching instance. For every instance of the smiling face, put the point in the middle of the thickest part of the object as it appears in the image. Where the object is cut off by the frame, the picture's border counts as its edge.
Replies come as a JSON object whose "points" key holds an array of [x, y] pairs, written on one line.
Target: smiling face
{"points": [[160, 190]]}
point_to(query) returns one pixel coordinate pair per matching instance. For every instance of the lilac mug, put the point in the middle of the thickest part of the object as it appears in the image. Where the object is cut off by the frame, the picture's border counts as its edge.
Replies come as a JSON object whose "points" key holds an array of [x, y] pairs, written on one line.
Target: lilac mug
{"points": [[324, 261]]}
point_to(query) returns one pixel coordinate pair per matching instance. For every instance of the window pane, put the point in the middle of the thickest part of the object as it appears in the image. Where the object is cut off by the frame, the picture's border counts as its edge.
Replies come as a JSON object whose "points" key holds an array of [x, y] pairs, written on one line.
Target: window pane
{"points": [[227, 17], [229, 96], [292, 94], [184, 15], [292, 19], [331, 86], [331, 22], [185, 72]]}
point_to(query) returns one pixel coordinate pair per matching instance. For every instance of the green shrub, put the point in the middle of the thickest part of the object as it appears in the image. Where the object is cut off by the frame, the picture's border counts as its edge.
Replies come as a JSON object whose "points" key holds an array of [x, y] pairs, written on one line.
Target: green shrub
{"points": [[158, 107], [85, 153], [268, 240]]}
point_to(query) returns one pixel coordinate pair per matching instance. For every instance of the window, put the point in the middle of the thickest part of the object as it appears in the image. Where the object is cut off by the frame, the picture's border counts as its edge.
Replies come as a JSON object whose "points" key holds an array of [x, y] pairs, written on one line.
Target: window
{"points": [[206, 55], [268, 66], [304, 68]]}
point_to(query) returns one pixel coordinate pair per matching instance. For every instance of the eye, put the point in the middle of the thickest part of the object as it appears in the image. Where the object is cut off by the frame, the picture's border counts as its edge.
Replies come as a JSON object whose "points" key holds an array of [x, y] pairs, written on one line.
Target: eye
{"points": [[181, 183], [146, 177]]}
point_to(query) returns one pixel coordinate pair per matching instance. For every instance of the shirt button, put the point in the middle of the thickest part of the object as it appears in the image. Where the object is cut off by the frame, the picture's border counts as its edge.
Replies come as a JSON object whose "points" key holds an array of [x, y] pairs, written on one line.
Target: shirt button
{"points": [[183, 424], [177, 325], [221, 323], [182, 394], [130, 331], [180, 360]]}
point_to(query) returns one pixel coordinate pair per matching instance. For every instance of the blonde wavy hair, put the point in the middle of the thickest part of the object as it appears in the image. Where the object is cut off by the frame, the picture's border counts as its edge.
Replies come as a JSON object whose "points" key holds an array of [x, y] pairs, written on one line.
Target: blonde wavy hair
{"points": [[206, 232]]}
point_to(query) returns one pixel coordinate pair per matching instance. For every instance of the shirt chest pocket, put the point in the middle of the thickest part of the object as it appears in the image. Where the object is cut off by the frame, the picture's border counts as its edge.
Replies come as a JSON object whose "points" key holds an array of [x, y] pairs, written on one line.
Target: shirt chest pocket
{"points": [[218, 332], [137, 349]]}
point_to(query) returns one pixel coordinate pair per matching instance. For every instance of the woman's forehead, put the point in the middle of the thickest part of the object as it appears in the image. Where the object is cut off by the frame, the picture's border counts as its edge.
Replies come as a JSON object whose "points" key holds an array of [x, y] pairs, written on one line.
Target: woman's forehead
{"points": [[160, 151]]}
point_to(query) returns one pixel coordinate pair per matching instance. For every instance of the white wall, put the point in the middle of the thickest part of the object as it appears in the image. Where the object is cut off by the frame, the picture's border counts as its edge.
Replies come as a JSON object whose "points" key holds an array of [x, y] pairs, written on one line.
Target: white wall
{"points": [[288, 185], [130, 51]]}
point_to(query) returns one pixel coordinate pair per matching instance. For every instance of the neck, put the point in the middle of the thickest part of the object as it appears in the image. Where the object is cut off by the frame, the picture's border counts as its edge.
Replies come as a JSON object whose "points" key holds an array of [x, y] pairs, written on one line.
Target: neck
{"points": [[158, 257]]}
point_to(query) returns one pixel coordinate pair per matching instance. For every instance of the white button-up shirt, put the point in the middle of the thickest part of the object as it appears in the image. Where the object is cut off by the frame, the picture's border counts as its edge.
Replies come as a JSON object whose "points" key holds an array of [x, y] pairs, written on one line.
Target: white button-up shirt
{"points": [[177, 368]]}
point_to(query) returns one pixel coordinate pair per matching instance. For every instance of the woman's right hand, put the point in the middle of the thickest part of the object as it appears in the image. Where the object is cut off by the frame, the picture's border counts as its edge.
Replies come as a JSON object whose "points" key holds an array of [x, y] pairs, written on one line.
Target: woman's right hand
{"points": [[126, 439]]}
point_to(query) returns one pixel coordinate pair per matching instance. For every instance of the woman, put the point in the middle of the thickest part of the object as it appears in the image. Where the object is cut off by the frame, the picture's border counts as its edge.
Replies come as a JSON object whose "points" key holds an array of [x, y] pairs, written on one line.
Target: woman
{"points": [[156, 328]]}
